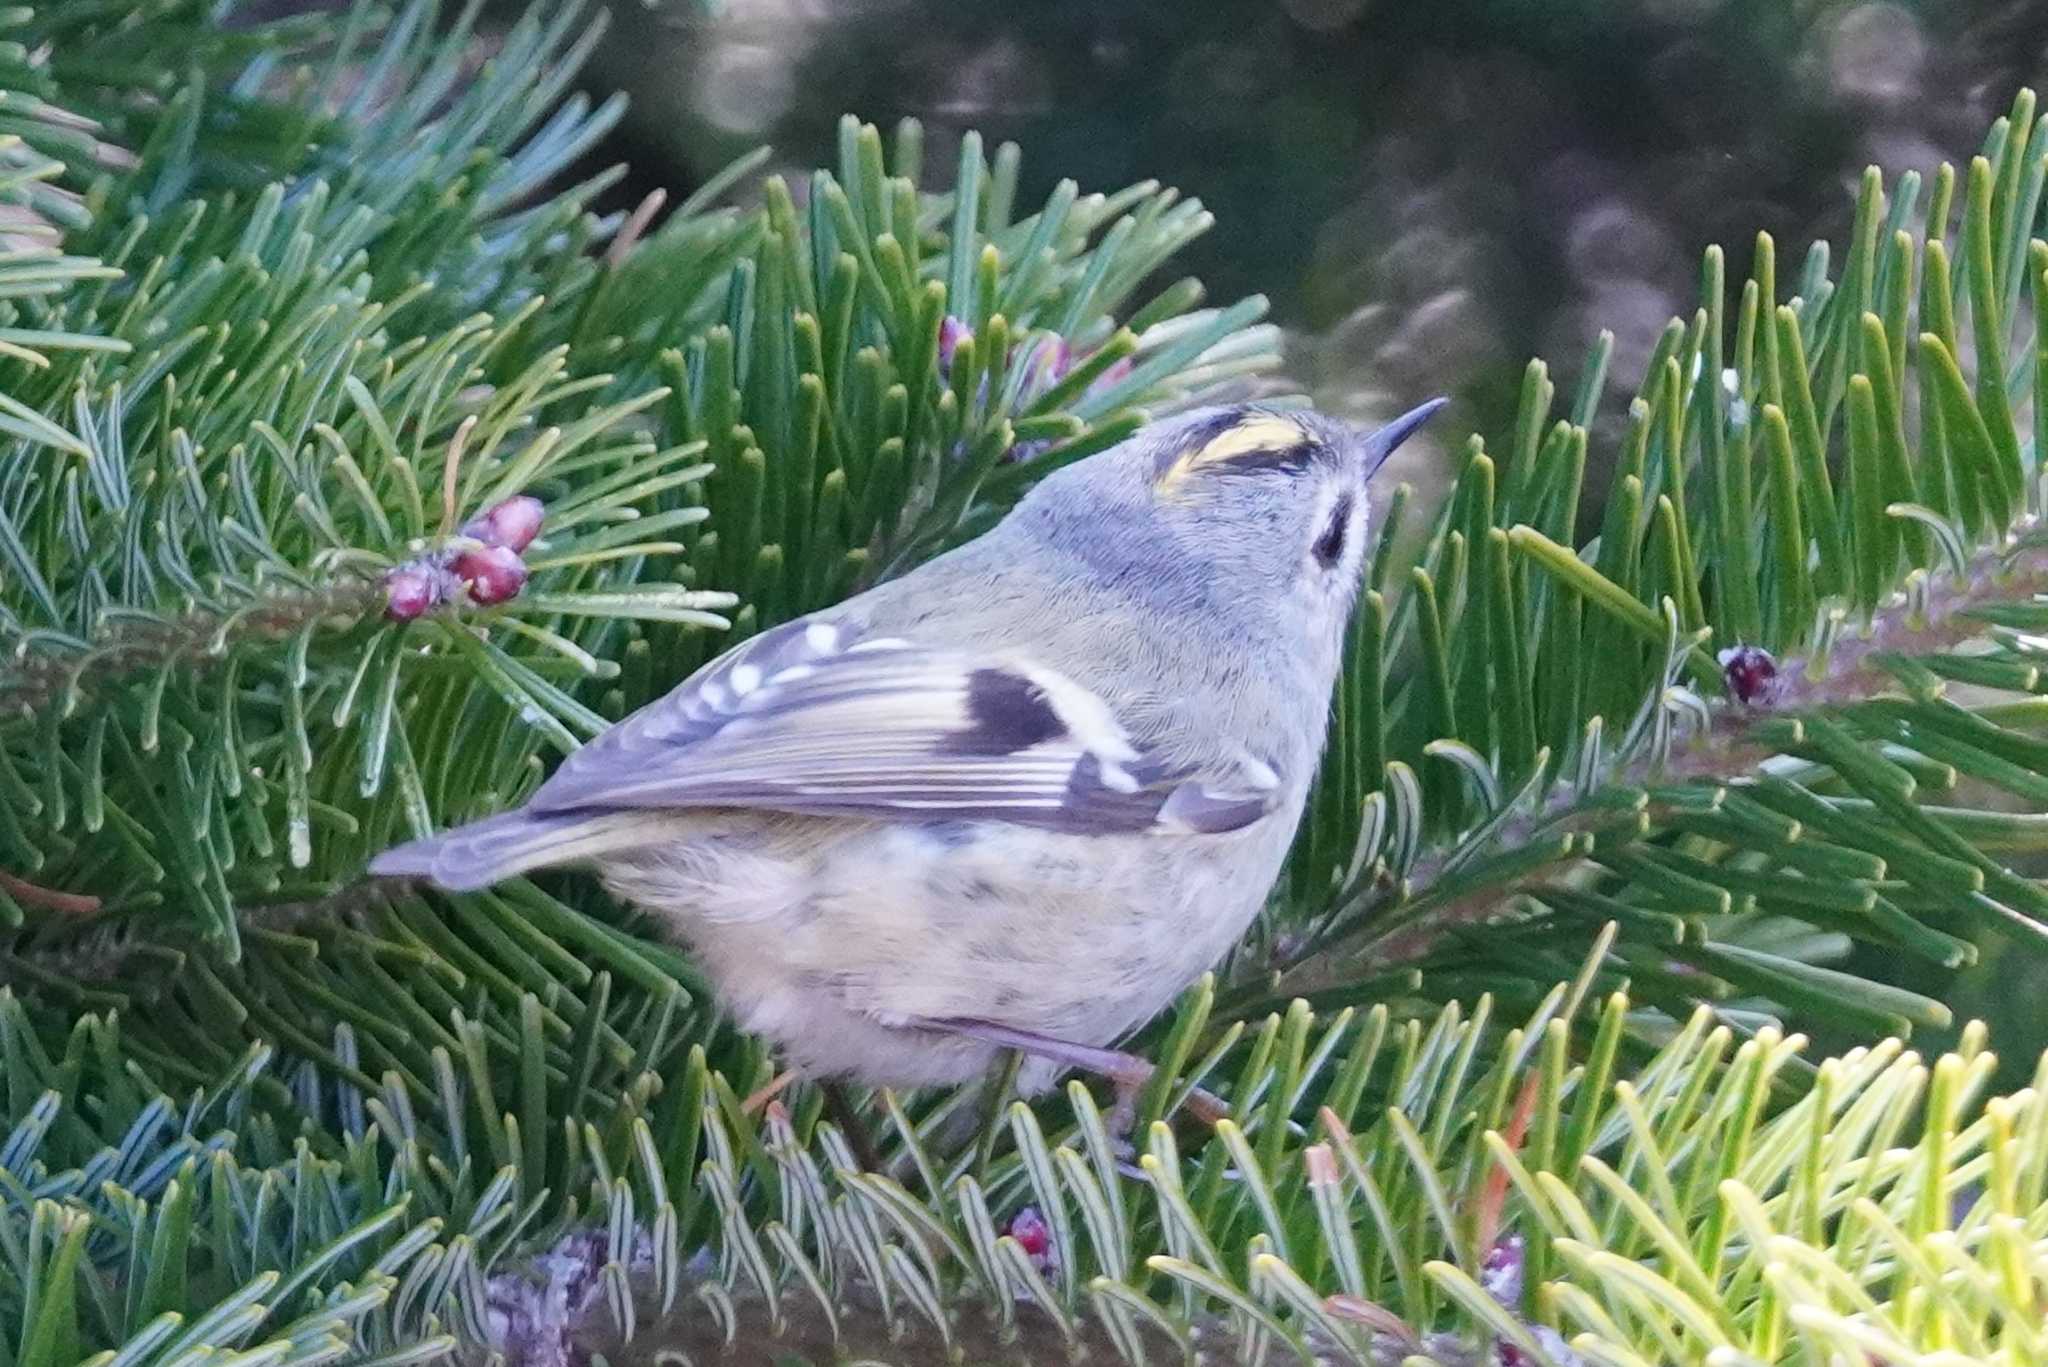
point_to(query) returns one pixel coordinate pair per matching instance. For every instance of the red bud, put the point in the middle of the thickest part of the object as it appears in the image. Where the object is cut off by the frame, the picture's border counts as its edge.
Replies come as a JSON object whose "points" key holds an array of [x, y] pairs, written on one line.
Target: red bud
{"points": [[1751, 674], [1033, 1235], [1112, 374], [513, 523], [493, 574], [411, 590], [952, 332]]}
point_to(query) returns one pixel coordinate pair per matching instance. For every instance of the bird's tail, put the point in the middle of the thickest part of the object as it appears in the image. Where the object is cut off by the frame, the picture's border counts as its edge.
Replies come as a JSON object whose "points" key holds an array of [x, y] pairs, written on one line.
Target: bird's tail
{"points": [[509, 844]]}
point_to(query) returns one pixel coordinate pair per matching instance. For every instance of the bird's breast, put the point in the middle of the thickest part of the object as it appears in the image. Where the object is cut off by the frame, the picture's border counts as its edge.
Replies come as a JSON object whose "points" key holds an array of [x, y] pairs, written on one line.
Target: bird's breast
{"points": [[808, 922]]}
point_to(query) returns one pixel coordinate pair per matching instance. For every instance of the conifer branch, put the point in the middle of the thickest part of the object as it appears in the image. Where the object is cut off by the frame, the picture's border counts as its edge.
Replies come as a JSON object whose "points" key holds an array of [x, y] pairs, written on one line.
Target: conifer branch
{"points": [[40, 677], [248, 372], [1935, 614]]}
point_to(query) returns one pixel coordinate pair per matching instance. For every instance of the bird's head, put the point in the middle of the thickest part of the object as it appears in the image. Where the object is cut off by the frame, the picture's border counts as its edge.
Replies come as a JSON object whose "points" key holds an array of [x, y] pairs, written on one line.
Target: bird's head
{"points": [[1242, 506]]}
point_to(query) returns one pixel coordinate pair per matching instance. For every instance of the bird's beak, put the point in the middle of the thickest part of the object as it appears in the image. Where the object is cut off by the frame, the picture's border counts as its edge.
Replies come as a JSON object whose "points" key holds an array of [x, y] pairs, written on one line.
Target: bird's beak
{"points": [[1381, 444]]}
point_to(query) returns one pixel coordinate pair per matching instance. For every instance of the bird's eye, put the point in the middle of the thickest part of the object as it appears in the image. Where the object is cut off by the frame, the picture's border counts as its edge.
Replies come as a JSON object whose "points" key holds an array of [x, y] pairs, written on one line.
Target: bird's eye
{"points": [[1329, 547]]}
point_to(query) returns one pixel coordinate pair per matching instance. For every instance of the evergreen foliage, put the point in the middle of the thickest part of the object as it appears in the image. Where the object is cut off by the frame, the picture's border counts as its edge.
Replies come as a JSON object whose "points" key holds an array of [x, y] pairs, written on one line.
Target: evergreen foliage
{"points": [[286, 308]]}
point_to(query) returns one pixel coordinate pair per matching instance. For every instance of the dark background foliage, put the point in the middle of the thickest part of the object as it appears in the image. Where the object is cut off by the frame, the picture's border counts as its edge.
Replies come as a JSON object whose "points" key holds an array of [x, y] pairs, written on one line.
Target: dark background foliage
{"points": [[1429, 193]]}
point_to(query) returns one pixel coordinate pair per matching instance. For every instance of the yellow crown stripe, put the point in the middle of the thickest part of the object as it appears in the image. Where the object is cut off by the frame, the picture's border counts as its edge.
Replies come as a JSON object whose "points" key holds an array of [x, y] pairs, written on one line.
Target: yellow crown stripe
{"points": [[1260, 432]]}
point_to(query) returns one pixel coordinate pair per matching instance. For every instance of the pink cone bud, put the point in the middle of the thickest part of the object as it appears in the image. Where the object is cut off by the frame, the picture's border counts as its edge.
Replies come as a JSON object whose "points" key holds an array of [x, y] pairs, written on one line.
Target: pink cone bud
{"points": [[952, 332], [1059, 359], [1033, 1235], [1751, 674], [513, 523], [1049, 363], [1113, 375], [493, 574], [410, 591], [1501, 1271], [1045, 361]]}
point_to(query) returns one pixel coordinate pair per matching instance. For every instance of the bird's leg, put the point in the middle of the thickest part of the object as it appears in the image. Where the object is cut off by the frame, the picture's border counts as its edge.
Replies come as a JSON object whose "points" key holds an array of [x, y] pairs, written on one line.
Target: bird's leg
{"points": [[837, 1104], [846, 1116], [1127, 1073]]}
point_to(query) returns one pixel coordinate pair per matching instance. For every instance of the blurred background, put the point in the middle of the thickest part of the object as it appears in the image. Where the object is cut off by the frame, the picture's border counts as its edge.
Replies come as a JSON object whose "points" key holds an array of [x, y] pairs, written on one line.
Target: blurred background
{"points": [[1428, 193]]}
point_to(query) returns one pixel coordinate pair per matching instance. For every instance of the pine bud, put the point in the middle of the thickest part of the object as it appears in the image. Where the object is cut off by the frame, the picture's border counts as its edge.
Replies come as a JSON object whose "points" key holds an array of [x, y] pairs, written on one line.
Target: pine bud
{"points": [[1112, 375], [1501, 1270], [494, 573], [1751, 674], [1033, 1235], [411, 590], [1045, 363], [952, 332], [512, 524]]}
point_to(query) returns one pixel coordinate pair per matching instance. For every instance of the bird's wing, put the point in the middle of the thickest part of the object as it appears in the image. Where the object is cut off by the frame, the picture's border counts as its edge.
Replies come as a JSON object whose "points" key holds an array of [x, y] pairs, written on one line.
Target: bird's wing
{"points": [[812, 718]]}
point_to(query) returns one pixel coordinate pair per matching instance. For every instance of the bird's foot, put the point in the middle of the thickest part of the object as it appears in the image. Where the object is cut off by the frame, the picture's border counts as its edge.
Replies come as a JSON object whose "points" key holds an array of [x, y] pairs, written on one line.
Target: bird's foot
{"points": [[760, 1097], [1126, 1072], [837, 1104]]}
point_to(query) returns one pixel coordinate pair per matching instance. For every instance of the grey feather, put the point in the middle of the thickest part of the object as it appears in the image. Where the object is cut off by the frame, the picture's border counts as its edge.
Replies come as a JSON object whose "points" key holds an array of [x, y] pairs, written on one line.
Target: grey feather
{"points": [[507, 845], [816, 719]]}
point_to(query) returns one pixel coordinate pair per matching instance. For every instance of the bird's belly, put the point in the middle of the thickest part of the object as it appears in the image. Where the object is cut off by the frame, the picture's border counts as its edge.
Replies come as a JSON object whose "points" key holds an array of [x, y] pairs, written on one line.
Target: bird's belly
{"points": [[1076, 937]]}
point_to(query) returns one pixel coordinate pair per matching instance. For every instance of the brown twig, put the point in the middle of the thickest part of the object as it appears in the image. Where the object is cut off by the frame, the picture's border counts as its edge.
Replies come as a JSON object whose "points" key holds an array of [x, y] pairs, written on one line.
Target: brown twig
{"points": [[48, 899], [449, 468], [1493, 1196], [635, 224]]}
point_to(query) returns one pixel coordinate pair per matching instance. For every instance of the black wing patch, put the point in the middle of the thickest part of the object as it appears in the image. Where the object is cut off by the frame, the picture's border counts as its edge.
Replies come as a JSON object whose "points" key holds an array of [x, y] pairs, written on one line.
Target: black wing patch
{"points": [[1006, 712]]}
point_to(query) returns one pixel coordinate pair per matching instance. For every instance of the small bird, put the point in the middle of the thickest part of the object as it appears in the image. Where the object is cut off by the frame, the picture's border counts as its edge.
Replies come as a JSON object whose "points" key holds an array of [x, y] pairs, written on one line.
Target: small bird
{"points": [[1018, 798]]}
